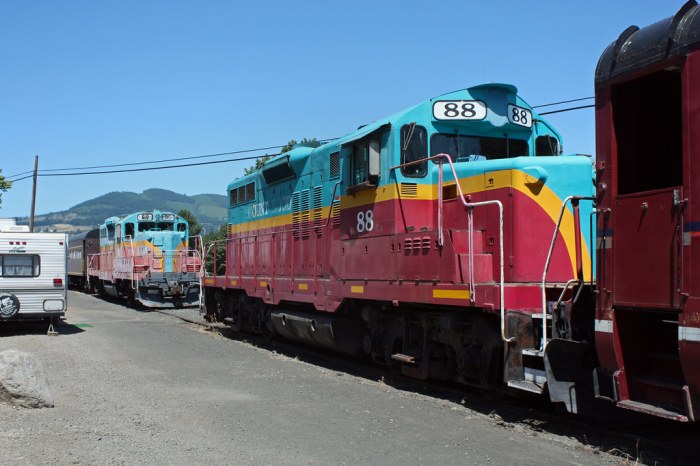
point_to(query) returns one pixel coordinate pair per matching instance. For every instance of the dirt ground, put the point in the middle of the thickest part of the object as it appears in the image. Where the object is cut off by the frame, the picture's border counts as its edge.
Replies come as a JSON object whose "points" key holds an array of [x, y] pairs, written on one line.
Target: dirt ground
{"points": [[135, 387]]}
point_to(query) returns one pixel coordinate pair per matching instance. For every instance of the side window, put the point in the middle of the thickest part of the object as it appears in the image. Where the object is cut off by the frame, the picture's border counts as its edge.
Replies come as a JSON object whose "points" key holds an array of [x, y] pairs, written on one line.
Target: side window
{"points": [[242, 194], [414, 146], [19, 265], [359, 163], [365, 163], [110, 232], [546, 145], [129, 230]]}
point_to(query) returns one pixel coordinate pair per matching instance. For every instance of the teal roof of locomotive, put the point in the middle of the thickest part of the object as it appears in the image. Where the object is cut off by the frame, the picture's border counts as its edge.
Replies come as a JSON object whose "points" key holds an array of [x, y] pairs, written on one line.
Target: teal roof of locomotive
{"points": [[124, 217], [421, 113]]}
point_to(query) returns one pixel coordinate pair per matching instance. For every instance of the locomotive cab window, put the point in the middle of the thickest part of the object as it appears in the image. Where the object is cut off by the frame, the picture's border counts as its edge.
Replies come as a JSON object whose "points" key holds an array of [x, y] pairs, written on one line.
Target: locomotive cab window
{"points": [[546, 145], [129, 230], [414, 147], [648, 130], [364, 164], [476, 148]]}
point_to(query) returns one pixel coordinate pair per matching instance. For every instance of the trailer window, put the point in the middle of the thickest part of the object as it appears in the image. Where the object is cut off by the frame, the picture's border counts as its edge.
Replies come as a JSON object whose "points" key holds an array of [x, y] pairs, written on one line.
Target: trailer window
{"points": [[25, 265]]}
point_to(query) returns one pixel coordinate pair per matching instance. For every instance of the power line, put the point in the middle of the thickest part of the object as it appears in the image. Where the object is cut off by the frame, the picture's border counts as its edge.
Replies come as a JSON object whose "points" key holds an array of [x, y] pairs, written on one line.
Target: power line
{"points": [[193, 157], [46, 172], [23, 178], [19, 174], [562, 102], [567, 109], [128, 170]]}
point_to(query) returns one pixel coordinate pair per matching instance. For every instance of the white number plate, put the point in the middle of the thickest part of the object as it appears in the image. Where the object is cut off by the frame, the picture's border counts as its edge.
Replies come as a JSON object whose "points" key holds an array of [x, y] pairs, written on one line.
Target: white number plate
{"points": [[519, 116], [459, 110]]}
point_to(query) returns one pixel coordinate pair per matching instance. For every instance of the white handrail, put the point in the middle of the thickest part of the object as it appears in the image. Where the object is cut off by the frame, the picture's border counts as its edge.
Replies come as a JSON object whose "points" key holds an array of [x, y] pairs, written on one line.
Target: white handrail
{"points": [[549, 258], [470, 206]]}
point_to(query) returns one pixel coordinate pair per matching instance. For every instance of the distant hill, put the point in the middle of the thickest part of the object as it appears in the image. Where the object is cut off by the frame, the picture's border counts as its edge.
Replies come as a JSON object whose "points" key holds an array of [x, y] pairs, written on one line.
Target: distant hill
{"points": [[209, 209]]}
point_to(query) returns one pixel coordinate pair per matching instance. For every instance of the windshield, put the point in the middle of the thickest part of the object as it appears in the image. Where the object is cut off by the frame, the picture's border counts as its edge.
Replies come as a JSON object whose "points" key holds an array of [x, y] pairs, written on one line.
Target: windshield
{"points": [[473, 148], [159, 226]]}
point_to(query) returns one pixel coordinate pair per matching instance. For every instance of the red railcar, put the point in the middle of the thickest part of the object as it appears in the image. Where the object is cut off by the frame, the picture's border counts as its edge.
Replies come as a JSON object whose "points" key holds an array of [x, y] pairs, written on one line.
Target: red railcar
{"points": [[648, 166]]}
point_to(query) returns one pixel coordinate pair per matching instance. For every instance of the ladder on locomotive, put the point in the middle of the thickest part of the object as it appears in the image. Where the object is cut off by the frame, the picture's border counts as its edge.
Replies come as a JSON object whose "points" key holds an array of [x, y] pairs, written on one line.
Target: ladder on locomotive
{"points": [[534, 371]]}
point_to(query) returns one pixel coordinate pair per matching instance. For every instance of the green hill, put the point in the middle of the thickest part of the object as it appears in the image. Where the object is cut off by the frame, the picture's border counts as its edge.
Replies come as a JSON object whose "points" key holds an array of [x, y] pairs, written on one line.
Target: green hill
{"points": [[209, 209]]}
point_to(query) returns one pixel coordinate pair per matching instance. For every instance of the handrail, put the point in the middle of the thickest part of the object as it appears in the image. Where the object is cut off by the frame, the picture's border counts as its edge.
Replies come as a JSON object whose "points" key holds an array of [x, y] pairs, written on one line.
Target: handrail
{"points": [[170, 254], [130, 239], [200, 242], [579, 270], [470, 207]]}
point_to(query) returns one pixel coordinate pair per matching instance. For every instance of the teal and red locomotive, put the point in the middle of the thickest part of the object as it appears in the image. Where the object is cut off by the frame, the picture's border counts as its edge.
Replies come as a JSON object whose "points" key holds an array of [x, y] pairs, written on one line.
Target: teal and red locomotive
{"points": [[148, 258], [454, 241], [435, 241]]}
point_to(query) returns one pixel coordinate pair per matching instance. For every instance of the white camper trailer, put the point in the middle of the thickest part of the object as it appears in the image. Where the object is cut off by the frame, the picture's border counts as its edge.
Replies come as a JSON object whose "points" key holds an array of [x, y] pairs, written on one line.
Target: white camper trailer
{"points": [[33, 280]]}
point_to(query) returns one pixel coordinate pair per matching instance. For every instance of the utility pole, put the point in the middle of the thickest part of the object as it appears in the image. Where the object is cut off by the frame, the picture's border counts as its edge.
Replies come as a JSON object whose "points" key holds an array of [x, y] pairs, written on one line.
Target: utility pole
{"points": [[31, 217]]}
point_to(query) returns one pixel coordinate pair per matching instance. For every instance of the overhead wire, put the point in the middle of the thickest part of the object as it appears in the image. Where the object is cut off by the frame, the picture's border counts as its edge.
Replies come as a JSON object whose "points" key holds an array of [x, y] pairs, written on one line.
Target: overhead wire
{"points": [[44, 171], [128, 170], [562, 102], [567, 109], [49, 171]]}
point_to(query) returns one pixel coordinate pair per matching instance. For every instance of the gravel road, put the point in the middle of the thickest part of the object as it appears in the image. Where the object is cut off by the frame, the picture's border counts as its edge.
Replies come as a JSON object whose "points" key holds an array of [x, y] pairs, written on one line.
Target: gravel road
{"points": [[135, 387]]}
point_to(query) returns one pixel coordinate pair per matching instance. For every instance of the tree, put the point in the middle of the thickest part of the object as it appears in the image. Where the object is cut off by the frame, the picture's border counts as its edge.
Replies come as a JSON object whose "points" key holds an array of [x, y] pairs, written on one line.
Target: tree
{"points": [[258, 165], [4, 185], [286, 148], [195, 227], [219, 237]]}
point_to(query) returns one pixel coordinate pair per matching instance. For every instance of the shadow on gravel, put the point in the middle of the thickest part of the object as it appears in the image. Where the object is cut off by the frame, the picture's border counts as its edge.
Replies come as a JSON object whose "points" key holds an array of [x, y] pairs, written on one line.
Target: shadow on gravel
{"points": [[18, 328], [634, 438]]}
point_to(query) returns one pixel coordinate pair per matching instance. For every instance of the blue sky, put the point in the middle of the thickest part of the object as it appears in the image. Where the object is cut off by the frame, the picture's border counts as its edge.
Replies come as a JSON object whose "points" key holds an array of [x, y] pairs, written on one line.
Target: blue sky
{"points": [[94, 83]]}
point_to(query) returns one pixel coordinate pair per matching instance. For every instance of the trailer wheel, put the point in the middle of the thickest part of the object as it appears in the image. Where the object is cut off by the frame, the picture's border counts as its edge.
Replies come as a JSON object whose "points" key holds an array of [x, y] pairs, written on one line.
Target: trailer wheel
{"points": [[9, 306]]}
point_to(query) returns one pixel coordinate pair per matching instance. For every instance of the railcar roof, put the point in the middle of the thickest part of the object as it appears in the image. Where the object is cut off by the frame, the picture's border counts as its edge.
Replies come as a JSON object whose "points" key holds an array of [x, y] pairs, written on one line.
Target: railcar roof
{"points": [[637, 48]]}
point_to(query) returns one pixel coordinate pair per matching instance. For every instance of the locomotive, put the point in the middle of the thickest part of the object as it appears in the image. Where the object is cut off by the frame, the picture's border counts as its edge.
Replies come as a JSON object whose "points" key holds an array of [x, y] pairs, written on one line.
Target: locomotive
{"points": [[435, 241], [454, 241], [146, 257]]}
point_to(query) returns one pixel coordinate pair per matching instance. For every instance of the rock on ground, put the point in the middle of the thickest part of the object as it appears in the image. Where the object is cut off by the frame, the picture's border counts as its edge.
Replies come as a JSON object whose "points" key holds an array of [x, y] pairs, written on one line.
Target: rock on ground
{"points": [[23, 381]]}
